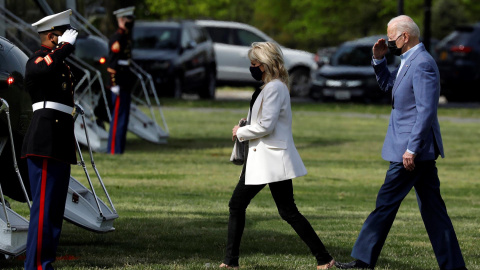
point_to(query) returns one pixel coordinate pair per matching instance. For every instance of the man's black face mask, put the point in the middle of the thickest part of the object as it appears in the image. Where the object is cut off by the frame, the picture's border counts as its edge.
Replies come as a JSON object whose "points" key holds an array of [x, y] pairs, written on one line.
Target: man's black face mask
{"points": [[392, 46], [53, 42], [129, 25]]}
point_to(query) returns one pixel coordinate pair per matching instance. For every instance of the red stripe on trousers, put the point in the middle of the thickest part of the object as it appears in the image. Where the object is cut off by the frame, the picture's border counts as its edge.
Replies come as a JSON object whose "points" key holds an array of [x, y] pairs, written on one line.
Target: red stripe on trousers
{"points": [[43, 185], [115, 120]]}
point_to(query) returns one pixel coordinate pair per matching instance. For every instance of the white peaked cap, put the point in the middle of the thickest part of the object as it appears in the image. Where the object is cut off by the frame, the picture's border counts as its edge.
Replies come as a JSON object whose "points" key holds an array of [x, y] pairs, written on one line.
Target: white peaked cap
{"points": [[51, 22], [124, 12]]}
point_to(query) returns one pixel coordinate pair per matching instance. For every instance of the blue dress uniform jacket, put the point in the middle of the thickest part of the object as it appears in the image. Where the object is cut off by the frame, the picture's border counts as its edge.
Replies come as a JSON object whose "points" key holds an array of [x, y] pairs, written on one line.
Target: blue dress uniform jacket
{"points": [[48, 78], [118, 62], [120, 75], [49, 147]]}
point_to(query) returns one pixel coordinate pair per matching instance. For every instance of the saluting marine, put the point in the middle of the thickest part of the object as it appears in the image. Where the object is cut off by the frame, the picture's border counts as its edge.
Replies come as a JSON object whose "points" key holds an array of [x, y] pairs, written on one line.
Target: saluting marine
{"points": [[122, 79], [49, 143]]}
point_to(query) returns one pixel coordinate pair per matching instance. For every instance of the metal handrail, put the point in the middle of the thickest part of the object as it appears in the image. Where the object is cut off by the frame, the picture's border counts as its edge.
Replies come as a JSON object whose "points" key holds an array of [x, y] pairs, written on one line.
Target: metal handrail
{"points": [[79, 111], [85, 21], [138, 71], [5, 108]]}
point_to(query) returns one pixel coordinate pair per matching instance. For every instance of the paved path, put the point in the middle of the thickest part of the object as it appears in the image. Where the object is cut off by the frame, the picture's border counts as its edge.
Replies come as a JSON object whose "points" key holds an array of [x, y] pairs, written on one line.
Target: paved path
{"points": [[342, 114], [246, 95], [233, 95]]}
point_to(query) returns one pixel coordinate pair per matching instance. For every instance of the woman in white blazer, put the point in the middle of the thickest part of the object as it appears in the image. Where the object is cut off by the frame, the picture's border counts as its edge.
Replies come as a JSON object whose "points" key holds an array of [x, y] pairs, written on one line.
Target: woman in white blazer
{"points": [[271, 156]]}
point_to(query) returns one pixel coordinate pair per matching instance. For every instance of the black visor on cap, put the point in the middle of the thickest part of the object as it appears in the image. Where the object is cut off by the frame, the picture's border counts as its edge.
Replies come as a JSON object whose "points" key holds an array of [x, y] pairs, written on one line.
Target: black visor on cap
{"points": [[62, 28], [65, 27]]}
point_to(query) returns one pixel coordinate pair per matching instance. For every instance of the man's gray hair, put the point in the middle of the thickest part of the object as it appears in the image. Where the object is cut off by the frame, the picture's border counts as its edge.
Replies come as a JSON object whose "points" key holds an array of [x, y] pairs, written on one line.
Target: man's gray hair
{"points": [[404, 23]]}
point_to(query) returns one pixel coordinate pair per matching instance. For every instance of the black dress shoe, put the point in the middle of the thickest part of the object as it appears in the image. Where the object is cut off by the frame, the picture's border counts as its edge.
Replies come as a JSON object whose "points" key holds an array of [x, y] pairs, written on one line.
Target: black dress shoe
{"points": [[357, 264]]}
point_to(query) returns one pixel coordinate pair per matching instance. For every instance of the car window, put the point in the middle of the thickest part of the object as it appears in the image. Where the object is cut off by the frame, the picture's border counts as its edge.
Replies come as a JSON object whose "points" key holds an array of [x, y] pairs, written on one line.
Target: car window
{"points": [[186, 38], [476, 37], [90, 49], [350, 55], [155, 38], [219, 34], [456, 38], [204, 33], [3, 62], [245, 38], [197, 35]]}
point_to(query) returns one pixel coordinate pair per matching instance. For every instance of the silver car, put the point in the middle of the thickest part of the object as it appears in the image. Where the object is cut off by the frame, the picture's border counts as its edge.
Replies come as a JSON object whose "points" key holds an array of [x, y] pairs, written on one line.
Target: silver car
{"points": [[232, 41]]}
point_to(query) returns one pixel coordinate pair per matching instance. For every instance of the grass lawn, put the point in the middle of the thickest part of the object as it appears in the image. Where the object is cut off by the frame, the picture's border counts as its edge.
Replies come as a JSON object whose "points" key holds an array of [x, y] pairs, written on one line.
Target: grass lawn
{"points": [[173, 199]]}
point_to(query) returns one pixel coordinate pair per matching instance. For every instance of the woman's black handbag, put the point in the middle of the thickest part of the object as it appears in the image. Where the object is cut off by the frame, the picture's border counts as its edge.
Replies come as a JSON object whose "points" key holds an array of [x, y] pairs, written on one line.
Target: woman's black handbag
{"points": [[238, 152]]}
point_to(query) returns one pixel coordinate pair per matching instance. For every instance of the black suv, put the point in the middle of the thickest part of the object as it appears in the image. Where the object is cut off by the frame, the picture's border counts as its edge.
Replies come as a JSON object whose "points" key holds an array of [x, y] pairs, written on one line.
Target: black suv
{"points": [[349, 74], [459, 63], [178, 54]]}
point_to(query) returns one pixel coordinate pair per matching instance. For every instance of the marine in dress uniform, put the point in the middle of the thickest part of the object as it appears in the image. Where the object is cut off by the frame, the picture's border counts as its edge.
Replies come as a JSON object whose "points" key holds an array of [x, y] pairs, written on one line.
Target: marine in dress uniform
{"points": [[122, 79], [49, 144]]}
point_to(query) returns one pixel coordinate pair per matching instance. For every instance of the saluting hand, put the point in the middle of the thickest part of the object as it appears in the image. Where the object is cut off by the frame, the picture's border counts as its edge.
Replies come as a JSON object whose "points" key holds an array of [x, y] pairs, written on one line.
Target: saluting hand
{"points": [[380, 49], [69, 36]]}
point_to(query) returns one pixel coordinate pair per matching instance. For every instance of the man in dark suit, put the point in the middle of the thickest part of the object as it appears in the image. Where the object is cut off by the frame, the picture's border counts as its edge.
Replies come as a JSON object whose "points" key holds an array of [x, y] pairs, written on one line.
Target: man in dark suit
{"points": [[121, 79], [412, 144], [49, 144]]}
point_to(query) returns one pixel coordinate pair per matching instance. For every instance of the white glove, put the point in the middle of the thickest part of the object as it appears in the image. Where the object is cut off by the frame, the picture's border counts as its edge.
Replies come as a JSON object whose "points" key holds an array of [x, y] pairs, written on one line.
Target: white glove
{"points": [[115, 89], [69, 36]]}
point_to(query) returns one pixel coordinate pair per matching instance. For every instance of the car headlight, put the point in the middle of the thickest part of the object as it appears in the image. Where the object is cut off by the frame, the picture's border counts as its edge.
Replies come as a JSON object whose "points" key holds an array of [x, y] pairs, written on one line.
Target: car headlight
{"points": [[353, 83], [344, 83], [333, 83]]}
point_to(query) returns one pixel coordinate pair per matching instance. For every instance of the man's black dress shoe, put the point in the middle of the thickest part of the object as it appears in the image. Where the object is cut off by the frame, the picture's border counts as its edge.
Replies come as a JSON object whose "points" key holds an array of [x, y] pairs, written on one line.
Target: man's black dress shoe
{"points": [[357, 264]]}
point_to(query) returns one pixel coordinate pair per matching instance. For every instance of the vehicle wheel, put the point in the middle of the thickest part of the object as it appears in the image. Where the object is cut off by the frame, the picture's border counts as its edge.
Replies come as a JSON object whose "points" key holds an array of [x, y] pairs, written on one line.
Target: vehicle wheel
{"points": [[458, 92], [208, 90], [451, 97], [177, 87], [449, 93], [316, 94], [300, 83]]}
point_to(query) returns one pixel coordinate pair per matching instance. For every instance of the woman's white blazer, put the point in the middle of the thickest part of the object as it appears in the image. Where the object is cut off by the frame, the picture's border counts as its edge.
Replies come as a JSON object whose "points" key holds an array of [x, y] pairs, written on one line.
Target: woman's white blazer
{"points": [[272, 155]]}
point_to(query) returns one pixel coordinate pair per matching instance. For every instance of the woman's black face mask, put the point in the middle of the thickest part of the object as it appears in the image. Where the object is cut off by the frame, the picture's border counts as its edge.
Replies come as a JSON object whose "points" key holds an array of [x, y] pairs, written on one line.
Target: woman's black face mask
{"points": [[256, 73]]}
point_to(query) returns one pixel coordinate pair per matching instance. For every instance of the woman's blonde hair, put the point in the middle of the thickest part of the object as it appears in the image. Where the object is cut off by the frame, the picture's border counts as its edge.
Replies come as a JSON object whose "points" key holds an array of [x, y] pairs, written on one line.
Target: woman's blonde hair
{"points": [[270, 56]]}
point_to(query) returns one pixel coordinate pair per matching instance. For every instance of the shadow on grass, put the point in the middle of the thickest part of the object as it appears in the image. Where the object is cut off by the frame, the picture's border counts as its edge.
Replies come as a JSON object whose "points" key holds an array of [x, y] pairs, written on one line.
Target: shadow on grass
{"points": [[191, 242]]}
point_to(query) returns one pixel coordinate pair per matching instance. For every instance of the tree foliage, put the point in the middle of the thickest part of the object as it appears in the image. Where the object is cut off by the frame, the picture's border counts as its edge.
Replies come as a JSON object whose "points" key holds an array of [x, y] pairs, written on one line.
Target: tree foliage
{"points": [[235, 10], [447, 14], [310, 24]]}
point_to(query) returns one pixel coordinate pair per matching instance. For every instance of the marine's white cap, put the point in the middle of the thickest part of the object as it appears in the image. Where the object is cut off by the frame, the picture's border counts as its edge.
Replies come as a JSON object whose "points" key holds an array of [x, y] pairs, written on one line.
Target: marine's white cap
{"points": [[124, 12], [60, 20]]}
